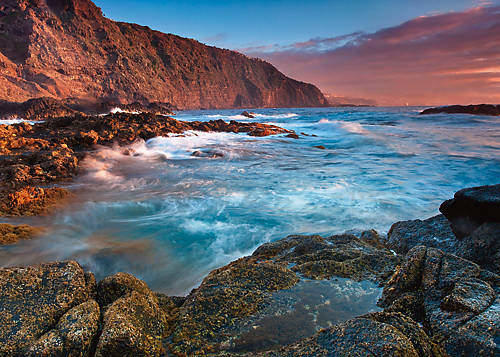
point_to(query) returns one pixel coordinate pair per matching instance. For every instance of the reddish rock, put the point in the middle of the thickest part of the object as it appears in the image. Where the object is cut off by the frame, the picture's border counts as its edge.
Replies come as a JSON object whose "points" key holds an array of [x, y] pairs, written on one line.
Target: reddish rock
{"points": [[68, 49]]}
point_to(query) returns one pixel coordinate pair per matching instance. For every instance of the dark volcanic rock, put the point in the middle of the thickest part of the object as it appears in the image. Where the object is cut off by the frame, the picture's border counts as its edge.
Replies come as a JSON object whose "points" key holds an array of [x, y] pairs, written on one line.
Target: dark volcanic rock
{"points": [[433, 232], [472, 207], [248, 115], [377, 334], [479, 109], [224, 312], [68, 49], [33, 300], [36, 109], [459, 301]]}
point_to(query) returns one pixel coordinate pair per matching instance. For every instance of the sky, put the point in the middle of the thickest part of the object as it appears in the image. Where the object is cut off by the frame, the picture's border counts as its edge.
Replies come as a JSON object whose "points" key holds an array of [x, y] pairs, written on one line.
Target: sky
{"points": [[391, 52]]}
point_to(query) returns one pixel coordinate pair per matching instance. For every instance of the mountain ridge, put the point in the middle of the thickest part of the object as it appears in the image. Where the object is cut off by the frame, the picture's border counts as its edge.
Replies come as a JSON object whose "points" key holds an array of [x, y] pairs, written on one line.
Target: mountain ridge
{"points": [[68, 49]]}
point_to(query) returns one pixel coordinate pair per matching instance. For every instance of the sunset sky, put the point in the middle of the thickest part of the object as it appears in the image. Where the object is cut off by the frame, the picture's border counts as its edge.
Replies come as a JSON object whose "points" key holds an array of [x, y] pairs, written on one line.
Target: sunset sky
{"points": [[390, 51]]}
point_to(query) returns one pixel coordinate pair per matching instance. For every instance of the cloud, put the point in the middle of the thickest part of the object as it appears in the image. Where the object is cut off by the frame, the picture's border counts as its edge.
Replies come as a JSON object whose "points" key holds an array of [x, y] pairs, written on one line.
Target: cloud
{"points": [[438, 59]]}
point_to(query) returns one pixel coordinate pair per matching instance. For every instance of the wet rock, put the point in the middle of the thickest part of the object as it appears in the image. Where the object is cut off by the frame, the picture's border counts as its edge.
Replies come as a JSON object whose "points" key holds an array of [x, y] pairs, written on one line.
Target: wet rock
{"points": [[208, 154], [10, 234], [73, 335], [248, 115], [31, 201], [471, 207], [220, 314], [292, 136], [116, 286], [344, 256], [458, 300], [378, 334], [33, 299], [434, 232], [321, 147], [479, 109], [133, 325]]}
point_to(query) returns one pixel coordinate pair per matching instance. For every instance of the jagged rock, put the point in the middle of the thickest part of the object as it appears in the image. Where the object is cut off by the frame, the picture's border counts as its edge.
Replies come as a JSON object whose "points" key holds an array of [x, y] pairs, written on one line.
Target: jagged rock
{"points": [[36, 109], [459, 303], [225, 312], [248, 115], [341, 255], [10, 234], [73, 335], [33, 299], [133, 325], [377, 334], [479, 109], [50, 152], [434, 232]]}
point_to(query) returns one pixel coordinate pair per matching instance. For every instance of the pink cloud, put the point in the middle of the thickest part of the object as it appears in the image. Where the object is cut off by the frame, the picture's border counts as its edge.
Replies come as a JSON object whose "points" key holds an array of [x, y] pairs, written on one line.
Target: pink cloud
{"points": [[432, 60]]}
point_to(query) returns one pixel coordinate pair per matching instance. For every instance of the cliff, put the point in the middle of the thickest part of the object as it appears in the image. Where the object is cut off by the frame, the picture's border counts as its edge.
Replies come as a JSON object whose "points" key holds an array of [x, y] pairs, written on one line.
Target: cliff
{"points": [[68, 49]]}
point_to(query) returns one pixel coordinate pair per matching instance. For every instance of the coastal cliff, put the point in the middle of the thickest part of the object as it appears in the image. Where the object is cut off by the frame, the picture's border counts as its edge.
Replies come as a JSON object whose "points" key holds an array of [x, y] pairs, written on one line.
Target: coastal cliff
{"points": [[68, 49]]}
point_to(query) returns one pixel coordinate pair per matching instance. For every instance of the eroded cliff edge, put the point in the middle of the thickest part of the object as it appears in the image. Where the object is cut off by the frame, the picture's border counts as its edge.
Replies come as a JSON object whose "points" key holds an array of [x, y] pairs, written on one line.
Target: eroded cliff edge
{"points": [[68, 49]]}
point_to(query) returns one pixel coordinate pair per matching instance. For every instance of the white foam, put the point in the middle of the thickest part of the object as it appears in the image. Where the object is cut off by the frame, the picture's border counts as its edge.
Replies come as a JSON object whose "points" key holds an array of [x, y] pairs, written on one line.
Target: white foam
{"points": [[17, 121]]}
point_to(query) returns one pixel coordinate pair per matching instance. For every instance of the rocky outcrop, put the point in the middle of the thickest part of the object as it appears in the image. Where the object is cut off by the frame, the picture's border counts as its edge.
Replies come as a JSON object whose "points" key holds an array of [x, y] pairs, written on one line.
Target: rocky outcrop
{"points": [[10, 234], [50, 152], [454, 299], [479, 109], [242, 307], [68, 49], [36, 304], [469, 228]]}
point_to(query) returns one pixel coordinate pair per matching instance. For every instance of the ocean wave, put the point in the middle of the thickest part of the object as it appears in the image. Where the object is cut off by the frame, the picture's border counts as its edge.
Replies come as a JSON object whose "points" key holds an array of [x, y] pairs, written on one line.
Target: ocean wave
{"points": [[17, 121], [351, 127], [257, 116]]}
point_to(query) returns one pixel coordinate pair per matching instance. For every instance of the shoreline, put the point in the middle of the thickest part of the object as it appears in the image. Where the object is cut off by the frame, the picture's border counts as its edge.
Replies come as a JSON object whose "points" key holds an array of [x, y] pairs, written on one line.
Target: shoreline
{"points": [[433, 303]]}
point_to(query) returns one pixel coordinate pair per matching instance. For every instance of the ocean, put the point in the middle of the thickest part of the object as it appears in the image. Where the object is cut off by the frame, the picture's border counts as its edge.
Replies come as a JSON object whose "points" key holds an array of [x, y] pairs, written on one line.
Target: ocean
{"points": [[172, 209]]}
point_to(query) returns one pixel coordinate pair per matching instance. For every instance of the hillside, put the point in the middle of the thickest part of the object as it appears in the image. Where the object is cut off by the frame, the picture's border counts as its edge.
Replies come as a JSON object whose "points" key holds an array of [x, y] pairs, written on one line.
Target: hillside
{"points": [[68, 49]]}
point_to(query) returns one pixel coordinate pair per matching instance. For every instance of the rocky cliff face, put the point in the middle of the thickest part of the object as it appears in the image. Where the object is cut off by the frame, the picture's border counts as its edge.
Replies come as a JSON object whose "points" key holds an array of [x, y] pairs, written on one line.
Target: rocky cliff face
{"points": [[68, 49]]}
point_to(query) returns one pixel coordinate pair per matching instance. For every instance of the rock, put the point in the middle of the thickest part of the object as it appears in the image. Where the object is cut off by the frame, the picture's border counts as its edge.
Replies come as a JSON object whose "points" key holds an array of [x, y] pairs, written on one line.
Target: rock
{"points": [[292, 136], [434, 232], [10, 234], [212, 154], [73, 335], [33, 299], [116, 286], [321, 147], [378, 334], [472, 207], [234, 300], [69, 49], [47, 153], [479, 109], [247, 114], [133, 325], [458, 300]]}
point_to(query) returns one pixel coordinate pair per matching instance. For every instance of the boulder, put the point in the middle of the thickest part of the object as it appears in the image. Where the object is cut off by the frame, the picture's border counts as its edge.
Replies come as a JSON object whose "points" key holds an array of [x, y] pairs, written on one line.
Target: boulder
{"points": [[453, 298], [475, 109], [247, 114], [73, 335], [134, 322], [133, 325], [33, 300], [471, 207], [433, 232]]}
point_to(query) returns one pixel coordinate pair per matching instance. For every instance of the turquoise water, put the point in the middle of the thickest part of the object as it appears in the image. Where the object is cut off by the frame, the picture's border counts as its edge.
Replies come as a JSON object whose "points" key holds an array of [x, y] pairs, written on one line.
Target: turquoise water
{"points": [[169, 217]]}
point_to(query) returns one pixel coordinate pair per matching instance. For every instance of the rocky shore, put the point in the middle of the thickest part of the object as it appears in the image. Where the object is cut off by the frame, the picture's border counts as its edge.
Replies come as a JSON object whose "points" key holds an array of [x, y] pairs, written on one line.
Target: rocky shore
{"points": [[478, 109], [35, 158], [435, 282]]}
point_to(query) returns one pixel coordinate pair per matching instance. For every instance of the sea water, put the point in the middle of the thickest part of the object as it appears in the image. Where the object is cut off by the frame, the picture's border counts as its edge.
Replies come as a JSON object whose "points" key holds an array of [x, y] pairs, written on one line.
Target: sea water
{"points": [[169, 217]]}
